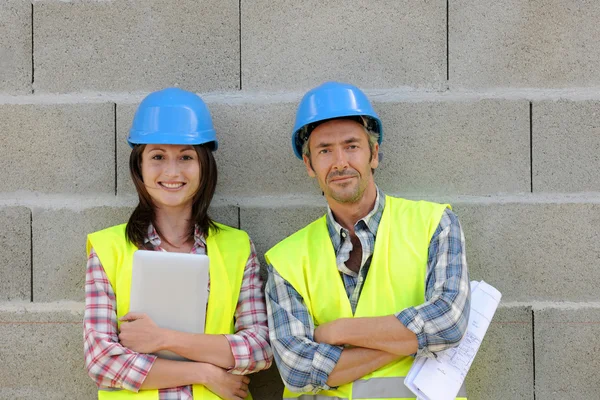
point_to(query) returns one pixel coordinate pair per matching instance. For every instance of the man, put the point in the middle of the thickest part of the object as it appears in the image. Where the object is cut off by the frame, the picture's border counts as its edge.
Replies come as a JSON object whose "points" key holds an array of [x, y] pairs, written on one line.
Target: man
{"points": [[352, 297]]}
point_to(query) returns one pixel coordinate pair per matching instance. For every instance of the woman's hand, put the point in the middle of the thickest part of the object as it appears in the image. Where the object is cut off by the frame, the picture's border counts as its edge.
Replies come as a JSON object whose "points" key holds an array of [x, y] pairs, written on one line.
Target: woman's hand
{"points": [[224, 384], [140, 334]]}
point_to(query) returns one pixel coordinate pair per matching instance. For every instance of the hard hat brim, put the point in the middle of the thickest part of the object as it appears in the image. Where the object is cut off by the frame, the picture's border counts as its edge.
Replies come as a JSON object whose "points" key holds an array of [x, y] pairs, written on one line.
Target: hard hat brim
{"points": [[191, 139]]}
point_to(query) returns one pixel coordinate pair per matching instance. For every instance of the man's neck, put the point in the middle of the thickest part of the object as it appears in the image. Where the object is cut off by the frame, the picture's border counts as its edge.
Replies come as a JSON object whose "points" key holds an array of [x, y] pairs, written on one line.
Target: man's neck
{"points": [[348, 214]]}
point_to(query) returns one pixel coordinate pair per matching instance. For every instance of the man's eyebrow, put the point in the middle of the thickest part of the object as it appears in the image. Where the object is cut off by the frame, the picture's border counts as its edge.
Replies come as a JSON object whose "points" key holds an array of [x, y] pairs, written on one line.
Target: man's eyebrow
{"points": [[323, 144], [353, 139]]}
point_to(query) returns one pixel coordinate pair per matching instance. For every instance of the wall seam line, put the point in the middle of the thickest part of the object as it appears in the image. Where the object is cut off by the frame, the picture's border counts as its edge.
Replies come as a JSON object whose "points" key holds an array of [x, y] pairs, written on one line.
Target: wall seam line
{"points": [[31, 254], [32, 54], [533, 342], [240, 37], [115, 138], [447, 40], [531, 145]]}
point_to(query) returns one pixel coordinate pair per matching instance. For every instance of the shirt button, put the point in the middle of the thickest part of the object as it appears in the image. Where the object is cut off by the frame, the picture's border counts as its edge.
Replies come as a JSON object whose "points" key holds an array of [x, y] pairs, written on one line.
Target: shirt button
{"points": [[344, 235]]}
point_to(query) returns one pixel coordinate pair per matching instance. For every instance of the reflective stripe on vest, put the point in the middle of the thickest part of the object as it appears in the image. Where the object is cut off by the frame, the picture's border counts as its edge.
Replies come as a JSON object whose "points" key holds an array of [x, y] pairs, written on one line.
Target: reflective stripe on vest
{"points": [[384, 388], [228, 250], [381, 388], [314, 397], [307, 261]]}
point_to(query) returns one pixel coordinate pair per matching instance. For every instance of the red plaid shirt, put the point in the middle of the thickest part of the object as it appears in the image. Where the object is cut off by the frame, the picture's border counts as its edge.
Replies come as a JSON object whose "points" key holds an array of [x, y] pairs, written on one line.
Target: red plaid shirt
{"points": [[114, 366]]}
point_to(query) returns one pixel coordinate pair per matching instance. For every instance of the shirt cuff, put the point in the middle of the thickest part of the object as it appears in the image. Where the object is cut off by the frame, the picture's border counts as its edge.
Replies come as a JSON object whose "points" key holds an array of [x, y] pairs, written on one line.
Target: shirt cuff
{"points": [[241, 355], [137, 371], [324, 361], [410, 318]]}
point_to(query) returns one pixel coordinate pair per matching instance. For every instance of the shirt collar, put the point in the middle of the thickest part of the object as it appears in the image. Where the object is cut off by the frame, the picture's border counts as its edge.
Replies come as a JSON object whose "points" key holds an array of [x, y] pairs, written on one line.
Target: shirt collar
{"points": [[155, 241], [369, 221]]}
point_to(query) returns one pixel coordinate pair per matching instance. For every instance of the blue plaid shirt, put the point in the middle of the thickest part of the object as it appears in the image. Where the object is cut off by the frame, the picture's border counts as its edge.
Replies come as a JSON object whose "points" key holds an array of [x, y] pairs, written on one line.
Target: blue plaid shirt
{"points": [[439, 323]]}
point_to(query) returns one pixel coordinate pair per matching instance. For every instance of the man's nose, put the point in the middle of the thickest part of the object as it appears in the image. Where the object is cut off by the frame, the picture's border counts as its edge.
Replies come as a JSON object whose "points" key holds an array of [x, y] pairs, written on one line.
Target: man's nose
{"points": [[341, 159]]}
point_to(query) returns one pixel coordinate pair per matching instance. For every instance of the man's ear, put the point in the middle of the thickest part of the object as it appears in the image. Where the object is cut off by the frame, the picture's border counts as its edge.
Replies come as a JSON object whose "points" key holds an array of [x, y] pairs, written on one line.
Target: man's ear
{"points": [[308, 166], [375, 156]]}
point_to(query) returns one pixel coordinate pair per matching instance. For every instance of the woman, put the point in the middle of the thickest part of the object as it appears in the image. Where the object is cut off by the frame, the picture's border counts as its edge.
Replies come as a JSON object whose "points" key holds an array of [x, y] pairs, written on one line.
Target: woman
{"points": [[175, 176]]}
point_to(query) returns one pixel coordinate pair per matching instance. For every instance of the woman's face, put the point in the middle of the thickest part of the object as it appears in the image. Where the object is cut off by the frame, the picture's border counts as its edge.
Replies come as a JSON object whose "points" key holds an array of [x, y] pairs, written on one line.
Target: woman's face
{"points": [[171, 174]]}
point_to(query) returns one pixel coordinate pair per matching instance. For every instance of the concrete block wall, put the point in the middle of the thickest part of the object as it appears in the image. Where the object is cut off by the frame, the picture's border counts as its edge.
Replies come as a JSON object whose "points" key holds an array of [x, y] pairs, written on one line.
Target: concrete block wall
{"points": [[491, 106]]}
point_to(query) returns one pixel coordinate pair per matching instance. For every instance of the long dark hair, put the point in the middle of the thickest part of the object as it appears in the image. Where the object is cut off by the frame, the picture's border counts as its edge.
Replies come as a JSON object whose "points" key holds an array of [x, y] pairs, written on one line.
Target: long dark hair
{"points": [[144, 215]]}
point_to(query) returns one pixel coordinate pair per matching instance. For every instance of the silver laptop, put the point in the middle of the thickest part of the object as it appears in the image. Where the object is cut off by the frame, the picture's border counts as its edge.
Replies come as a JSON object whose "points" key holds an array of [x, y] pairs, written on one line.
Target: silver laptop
{"points": [[172, 289]]}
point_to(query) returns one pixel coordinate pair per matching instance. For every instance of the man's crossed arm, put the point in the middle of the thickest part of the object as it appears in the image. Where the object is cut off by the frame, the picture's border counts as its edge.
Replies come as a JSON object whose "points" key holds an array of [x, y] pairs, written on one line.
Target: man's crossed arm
{"points": [[375, 342]]}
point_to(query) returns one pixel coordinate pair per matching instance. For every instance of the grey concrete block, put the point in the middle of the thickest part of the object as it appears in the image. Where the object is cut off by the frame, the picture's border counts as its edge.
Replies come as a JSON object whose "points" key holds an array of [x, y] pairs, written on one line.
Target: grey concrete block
{"points": [[268, 226], [534, 251], [566, 144], [228, 215], [136, 45], [503, 367], [59, 148], [15, 253], [566, 352], [455, 147], [529, 251], [289, 44], [254, 155], [513, 43], [448, 147], [15, 47], [445, 147], [42, 358], [125, 113], [41, 355], [59, 239]]}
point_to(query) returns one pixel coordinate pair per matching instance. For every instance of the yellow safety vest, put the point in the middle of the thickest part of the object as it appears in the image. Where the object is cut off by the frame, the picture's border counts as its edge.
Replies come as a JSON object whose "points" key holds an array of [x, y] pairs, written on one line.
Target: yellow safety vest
{"points": [[396, 280], [228, 249]]}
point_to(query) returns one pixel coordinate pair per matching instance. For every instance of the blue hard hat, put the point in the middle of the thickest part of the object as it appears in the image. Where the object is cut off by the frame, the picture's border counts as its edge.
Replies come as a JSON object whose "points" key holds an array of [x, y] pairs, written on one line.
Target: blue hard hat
{"points": [[329, 101], [172, 116]]}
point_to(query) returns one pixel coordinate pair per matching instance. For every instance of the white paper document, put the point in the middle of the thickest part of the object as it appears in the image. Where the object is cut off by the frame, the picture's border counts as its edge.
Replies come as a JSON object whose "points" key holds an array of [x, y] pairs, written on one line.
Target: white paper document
{"points": [[442, 378]]}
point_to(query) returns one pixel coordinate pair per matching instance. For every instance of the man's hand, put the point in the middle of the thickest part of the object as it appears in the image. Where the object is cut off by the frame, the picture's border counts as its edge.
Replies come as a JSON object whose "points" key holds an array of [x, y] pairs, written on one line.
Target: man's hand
{"points": [[225, 385], [139, 333], [329, 333]]}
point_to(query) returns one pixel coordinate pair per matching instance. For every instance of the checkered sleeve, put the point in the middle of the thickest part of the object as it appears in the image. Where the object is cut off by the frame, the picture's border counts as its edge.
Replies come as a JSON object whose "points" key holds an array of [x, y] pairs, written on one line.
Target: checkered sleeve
{"points": [[108, 363], [250, 344], [304, 365], [441, 321]]}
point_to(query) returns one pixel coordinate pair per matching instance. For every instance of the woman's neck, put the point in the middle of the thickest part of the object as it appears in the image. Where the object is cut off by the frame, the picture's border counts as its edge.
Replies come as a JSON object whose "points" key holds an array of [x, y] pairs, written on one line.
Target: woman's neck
{"points": [[174, 227]]}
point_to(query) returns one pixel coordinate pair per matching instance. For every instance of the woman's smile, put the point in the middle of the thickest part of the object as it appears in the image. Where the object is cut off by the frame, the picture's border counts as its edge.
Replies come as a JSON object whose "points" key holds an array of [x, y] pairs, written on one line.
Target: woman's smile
{"points": [[172, 185]]}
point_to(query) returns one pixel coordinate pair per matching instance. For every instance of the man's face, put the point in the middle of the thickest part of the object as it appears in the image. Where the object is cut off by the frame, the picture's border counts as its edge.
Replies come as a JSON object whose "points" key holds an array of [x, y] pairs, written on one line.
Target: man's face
{"points": [[341, 160]]}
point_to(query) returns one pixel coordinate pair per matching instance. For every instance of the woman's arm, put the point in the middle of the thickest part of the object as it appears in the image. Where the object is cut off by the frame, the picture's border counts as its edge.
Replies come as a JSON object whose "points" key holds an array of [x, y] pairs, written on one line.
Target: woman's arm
{"points": [[168, 374], [108, 363], [250, 344]]}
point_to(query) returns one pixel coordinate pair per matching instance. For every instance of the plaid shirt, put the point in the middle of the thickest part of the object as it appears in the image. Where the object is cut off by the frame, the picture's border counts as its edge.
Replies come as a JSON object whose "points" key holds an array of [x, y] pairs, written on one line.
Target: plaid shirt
{"points": [[114, 366], [439, 323]]}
